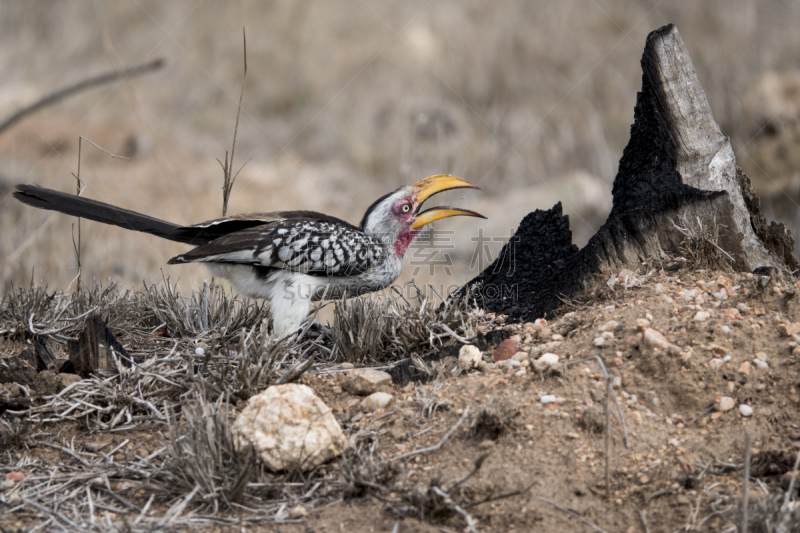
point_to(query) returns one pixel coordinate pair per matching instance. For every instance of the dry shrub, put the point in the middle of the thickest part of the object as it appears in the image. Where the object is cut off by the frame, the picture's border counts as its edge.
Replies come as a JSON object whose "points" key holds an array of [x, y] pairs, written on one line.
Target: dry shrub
{"points": [[773, 515], [159, 307], [203, 459], [377, 329], [430, 402], [701, 244], [492, 420]]}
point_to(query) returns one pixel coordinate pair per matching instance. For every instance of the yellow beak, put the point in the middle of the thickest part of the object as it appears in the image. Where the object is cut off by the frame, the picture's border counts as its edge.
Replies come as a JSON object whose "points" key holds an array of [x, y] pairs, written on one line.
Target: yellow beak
{"points": [[438, 213], [425, 188]]}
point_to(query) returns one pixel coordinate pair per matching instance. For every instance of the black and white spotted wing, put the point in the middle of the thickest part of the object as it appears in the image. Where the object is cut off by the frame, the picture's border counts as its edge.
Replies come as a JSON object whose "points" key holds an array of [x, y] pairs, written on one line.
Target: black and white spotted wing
{"points": [[326, 247]]}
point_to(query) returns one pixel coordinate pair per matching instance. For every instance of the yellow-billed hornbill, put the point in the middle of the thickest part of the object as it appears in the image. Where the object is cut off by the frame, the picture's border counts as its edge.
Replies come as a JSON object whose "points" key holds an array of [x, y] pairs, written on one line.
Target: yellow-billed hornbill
{"points": [[290, 257]]}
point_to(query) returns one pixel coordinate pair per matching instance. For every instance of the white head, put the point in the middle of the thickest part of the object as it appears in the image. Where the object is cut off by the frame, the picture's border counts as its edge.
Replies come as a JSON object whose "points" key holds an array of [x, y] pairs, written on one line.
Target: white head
{"points": [[396, 217]]}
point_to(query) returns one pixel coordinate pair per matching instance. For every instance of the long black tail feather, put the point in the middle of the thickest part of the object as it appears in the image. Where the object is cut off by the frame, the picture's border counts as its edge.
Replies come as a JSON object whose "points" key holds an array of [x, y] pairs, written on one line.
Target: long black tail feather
{"points": [[78, 206]]}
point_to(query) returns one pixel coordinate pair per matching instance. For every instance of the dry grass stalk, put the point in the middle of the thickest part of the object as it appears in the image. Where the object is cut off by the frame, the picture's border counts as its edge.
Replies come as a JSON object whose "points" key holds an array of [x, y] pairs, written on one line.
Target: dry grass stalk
{"points": [[376, 329], [701, 245], [203, 460], [227, 167]]}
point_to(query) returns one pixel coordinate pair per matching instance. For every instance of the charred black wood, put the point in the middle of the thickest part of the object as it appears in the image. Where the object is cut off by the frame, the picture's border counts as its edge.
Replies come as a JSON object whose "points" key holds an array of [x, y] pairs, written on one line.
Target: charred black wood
{"points": [[44, 358], [677, 168], [97, 350]]}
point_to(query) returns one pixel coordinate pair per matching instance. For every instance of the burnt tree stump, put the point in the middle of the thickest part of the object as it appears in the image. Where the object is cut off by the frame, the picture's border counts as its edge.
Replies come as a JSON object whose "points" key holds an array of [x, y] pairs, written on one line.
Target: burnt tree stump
{"points": [[677, 166], [96, 351]]}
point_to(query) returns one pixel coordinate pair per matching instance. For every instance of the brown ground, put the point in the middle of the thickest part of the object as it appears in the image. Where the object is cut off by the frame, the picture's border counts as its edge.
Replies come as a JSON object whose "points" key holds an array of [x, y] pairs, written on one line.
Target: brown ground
{"points": [[683, 458]]}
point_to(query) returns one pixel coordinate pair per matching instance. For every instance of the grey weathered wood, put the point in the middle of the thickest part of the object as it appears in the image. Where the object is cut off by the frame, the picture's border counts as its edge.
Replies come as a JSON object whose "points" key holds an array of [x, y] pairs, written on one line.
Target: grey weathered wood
{"points": [[677, 169], [705, 158]]}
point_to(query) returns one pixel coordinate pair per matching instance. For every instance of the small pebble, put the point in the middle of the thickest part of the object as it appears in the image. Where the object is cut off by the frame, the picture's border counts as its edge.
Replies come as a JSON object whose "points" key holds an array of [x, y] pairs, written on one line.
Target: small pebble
{"points": [[298, 512], [761, 356], [762, 365], [199, 351], [608, 326], [725, 329], [377, 400], [520, 356], [745, 410], [702, 316], [547, 398], [600, 342], [6, 484], [546, 361], [540, 324], [505, 350], [469, 357], [744, 368], [726, 358], [725, 403], [743, 308]]}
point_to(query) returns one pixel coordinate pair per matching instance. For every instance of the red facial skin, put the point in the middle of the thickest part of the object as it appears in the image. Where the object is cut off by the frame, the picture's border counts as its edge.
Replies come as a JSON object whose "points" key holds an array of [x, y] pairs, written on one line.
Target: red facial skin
{"points": [[407, 235]]}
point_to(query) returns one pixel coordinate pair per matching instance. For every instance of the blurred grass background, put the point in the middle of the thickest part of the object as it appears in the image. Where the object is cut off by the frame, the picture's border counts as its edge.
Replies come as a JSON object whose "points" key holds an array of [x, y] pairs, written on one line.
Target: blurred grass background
{"points": [[347, 99]]}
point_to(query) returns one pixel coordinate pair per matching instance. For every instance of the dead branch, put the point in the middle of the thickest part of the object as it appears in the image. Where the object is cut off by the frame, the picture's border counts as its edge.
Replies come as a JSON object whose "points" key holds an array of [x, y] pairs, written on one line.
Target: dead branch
{"points": [[59, 95]]}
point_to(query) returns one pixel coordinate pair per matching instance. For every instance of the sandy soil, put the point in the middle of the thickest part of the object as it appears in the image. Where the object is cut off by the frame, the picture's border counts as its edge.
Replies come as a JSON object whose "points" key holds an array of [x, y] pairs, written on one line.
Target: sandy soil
{"points": [[683, 457]]}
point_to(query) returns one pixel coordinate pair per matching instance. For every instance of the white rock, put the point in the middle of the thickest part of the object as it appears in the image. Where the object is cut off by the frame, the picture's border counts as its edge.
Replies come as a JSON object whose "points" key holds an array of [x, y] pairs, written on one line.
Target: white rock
{"points": [[365, 381], [547, 360], [6, 484], [298, 512], [725, 329], [600, 341], [469, 357], [290, 428], [377, 400], [726, 358], [199, 351], [702, 316], [746, 410], [725, 403], [743, 308], [519, 356], [540, 324], [548, 398], [716, 363], [608, 326], [762, 365]]}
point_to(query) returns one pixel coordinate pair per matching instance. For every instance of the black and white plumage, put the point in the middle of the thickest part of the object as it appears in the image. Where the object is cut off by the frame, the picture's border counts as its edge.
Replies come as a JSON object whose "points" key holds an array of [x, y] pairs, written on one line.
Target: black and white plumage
{"points": [[290, 258]]}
